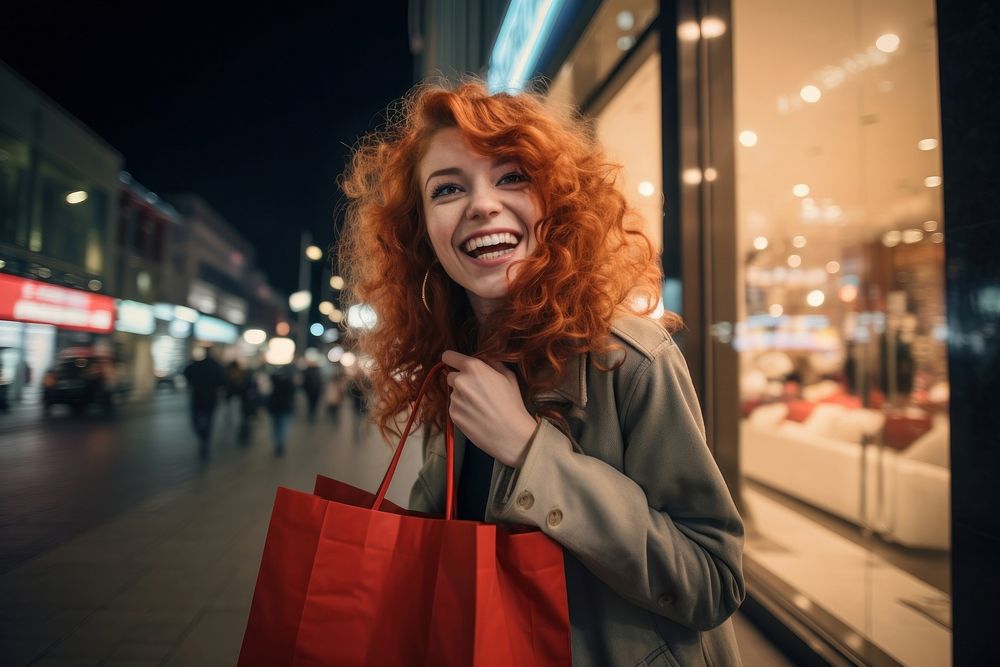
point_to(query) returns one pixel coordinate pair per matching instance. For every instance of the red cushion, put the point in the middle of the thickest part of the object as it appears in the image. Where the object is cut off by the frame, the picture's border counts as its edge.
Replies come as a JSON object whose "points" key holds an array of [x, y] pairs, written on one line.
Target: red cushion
{"points": [[900, 431], [799, 411]]}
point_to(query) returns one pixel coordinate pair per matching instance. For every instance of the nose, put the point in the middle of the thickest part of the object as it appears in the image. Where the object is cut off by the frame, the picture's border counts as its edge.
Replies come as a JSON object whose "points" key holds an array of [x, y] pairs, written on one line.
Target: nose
{"points": [[483, 205]]}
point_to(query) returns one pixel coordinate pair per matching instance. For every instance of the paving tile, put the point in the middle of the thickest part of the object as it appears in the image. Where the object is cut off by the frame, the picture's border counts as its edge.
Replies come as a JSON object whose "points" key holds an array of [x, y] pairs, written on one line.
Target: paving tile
{"points": [[130, 651], [70, 585], [214, 640], [17, 652], [160, 626], [98, 638], [31, 622], [172, 589]]}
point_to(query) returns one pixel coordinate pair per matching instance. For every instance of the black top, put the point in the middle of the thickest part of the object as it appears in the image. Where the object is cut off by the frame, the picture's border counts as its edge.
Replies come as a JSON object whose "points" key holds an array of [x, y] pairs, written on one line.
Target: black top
{"points": [[474, 483]]}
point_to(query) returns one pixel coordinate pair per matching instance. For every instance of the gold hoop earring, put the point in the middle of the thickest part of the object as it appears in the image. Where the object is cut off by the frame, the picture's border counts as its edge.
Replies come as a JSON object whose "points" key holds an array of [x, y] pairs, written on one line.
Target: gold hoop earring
{"points": [[423, 290]]}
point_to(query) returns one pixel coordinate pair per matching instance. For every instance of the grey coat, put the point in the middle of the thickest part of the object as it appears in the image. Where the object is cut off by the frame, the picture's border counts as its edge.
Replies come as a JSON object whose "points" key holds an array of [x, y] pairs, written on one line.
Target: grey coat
{"points": [[652, 539]]}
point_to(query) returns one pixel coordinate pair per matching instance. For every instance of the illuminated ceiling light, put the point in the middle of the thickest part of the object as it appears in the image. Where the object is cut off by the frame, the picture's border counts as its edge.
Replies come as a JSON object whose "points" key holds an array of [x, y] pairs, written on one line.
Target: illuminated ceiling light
{"points": [[325, 307], [280, 351], [336, 316], [913, 236], [794, 261], [760, 243], [335, 353], [711, 174], [2, 263], [689, 31], [815, 298], [832, 267], [937, 237], [314, 253], [932, 181], [282, 328], [712, 27], [625, 43], [930, 225], [775, 310], [254, 336], [811, 94], [892, 239], [848, 293], [336, 282], [927, 144], [748, 138], [625, 20], [299, 301], [646, 189], [45, 272], [316, 329], [95, 285], [77, 197], [799, 242], [348, 360], [887, 43], [800, 190], [691, 176]]}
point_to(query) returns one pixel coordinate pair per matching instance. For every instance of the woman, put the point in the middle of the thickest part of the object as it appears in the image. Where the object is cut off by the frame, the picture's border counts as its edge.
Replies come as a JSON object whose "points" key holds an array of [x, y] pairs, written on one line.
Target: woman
{"points": [[487, 232]]}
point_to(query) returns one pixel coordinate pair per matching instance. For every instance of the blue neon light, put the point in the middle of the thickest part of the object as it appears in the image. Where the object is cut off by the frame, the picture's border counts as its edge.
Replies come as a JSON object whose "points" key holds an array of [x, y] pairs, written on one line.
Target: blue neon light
{"points": [[523, 34]]}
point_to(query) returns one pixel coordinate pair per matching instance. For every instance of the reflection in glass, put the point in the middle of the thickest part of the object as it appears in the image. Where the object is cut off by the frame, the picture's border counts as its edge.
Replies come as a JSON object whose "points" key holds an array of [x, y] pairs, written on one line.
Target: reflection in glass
{"points": [[843, 368]]}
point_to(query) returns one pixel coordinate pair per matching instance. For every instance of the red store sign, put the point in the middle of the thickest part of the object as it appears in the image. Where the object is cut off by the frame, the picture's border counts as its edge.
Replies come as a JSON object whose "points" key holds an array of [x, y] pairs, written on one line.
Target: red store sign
{"points": [[32, 301]]}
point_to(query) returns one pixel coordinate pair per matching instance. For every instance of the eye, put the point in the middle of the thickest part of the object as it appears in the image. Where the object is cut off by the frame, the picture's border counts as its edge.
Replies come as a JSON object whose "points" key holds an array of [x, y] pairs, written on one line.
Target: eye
{"points": [[444, 190], [513, 177]]}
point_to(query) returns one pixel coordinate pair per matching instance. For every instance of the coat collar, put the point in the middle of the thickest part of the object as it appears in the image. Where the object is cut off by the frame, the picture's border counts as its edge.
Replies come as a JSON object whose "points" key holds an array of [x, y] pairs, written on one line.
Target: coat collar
{"points": [[572, 386]]}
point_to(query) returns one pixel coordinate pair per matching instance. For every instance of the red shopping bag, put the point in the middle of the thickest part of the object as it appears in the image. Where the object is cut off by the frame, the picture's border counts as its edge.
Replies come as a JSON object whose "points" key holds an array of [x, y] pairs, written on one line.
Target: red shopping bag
{"points": [[349, 579]]}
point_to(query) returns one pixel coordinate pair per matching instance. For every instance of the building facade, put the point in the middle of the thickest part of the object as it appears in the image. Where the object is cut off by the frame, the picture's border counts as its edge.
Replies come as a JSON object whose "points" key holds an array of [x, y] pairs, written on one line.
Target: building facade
{"points": [[58, 211], [787, 159]]}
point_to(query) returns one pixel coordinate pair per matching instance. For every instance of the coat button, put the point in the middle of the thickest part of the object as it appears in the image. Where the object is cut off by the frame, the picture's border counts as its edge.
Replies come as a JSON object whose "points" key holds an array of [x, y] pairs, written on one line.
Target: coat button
{"points": [[554, 518], [525, 500], [664, 600]]}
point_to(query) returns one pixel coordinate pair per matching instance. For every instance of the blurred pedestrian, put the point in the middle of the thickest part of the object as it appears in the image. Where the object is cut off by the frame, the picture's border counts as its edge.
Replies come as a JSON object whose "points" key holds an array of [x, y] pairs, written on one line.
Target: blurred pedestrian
{"points": [[335, 396], [205, 378], [312, 384], [281, 405]]}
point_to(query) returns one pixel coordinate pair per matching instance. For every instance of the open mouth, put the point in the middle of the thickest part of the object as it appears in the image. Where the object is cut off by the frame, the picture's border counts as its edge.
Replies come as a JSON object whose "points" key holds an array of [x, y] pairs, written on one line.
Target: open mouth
{"points": [[491, 246]]}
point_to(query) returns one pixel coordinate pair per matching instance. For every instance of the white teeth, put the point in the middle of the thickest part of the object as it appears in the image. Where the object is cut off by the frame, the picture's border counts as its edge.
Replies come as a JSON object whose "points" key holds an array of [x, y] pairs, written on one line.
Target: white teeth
{"points": [[495, 254], [488, 240]]}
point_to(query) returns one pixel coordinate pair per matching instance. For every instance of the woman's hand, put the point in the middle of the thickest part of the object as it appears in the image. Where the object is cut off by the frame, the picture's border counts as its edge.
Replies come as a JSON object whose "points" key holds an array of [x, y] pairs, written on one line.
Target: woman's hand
{"points": [[486, 404]]}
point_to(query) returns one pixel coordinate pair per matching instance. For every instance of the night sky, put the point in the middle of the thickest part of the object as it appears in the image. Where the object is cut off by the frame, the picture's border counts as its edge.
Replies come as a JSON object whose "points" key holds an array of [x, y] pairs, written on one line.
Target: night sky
{"points": [[253, 109]]}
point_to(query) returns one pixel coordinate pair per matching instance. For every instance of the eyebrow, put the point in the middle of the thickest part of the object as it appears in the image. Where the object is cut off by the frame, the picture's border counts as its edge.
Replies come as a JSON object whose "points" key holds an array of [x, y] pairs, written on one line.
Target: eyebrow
{"points": [[455, 171]]}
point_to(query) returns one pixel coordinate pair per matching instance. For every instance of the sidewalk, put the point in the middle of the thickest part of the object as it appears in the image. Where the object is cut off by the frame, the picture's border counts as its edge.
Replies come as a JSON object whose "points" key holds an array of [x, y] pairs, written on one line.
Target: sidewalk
{"points": [[169, 582]]}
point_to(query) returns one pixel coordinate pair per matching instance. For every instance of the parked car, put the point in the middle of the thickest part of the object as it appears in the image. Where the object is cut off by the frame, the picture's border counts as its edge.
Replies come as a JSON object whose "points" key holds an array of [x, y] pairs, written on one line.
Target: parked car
{"points": [[82, 376]]}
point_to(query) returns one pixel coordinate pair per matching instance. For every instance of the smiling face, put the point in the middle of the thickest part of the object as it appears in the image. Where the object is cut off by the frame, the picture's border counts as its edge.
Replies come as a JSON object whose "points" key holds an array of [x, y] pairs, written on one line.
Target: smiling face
{"points": [[480, 213]]}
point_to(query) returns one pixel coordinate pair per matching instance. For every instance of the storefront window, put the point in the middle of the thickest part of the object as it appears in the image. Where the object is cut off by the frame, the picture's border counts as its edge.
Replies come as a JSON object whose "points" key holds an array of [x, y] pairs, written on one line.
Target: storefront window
{"points": [[843, 366], [15, 160], [70, 218]]}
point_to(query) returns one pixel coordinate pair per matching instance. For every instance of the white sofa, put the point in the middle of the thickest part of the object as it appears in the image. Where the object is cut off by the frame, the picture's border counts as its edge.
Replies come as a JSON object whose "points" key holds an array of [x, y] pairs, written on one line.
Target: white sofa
{"points": [[906, 494]]}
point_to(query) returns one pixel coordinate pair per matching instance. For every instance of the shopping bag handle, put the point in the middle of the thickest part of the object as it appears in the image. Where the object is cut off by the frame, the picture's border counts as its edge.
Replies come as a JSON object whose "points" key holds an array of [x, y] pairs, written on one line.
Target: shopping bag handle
{"points": [[449, 438]]}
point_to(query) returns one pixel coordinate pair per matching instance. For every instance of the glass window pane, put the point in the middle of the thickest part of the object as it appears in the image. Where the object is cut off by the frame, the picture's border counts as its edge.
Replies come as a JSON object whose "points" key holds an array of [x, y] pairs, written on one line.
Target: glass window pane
{"points": [[844, 385]]}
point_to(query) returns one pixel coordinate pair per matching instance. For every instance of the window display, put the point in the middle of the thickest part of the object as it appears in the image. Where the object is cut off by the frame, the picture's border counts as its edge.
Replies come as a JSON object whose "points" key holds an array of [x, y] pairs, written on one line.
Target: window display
{"points": [[843, 359]]}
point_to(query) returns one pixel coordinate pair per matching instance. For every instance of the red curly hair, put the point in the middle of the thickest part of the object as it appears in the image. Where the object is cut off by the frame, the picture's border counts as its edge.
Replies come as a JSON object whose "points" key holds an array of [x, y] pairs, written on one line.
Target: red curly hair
{"points": [[592, 258]]}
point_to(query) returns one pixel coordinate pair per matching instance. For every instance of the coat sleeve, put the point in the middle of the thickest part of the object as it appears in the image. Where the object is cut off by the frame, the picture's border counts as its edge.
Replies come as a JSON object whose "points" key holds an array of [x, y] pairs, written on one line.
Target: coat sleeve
{"points": [[423, 498], [663, 532]]}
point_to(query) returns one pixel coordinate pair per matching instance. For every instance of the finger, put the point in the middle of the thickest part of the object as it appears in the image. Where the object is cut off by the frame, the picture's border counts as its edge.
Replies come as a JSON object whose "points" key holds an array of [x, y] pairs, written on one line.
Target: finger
{"points": [[456, 360]]}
